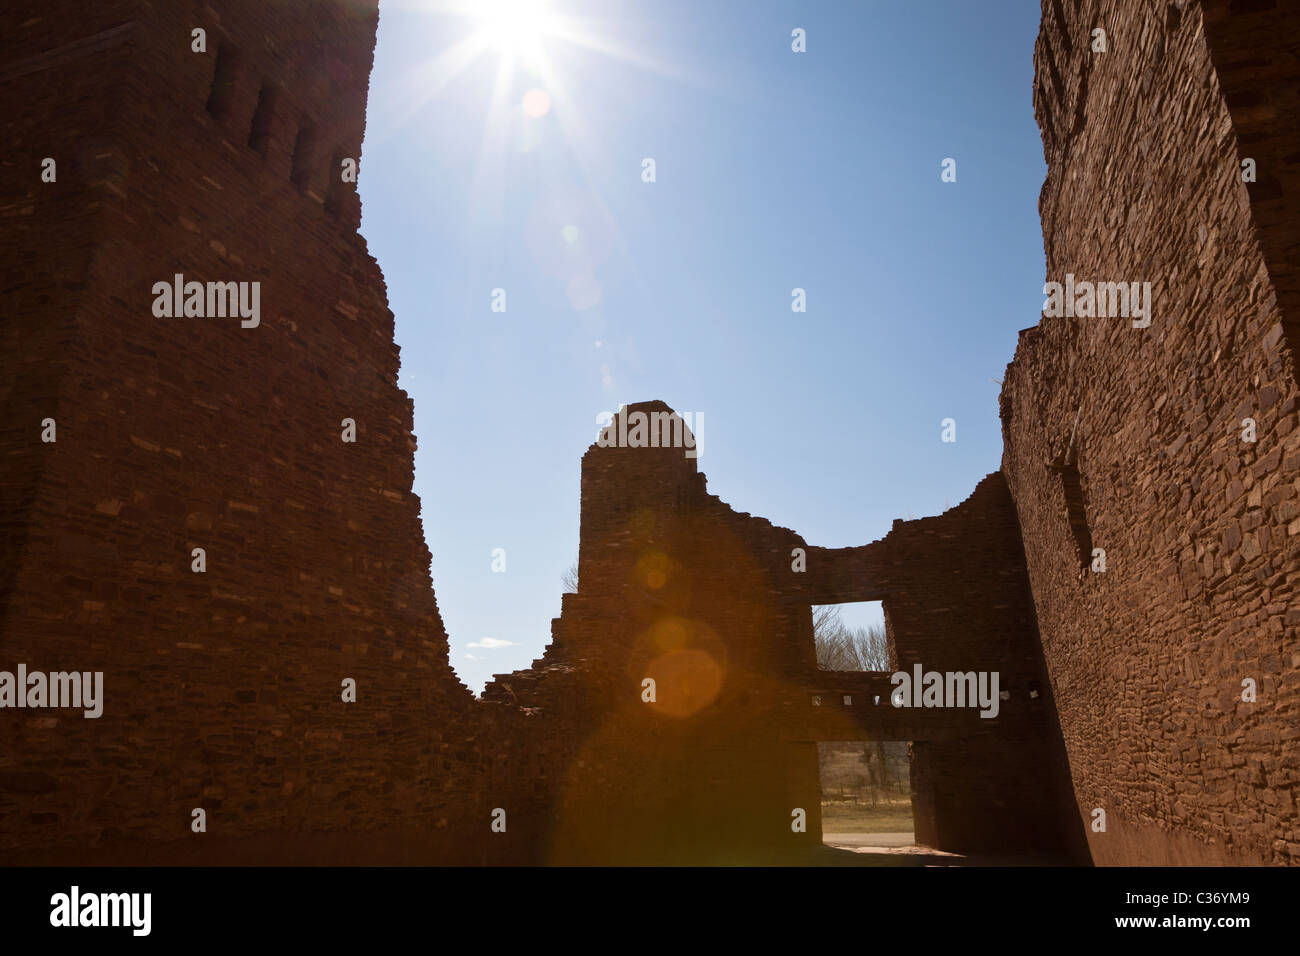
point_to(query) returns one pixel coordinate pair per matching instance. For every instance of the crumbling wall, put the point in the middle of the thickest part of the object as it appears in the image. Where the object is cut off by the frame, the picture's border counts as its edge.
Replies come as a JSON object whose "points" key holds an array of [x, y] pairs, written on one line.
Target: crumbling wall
{"points": [[1131, 440], [677, 588], [715, 607], [1256, 56], [222, 688], [956, 599]]}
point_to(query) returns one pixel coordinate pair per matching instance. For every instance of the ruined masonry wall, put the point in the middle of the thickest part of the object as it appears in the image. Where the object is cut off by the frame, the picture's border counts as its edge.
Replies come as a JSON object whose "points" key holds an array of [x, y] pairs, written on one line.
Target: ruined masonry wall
{"points": [[223, 688], [1201, 529]]}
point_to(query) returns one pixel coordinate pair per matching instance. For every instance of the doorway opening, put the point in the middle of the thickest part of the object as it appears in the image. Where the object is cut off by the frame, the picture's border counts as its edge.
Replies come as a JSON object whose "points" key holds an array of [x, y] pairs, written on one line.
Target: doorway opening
{"points": [[866, 793]]}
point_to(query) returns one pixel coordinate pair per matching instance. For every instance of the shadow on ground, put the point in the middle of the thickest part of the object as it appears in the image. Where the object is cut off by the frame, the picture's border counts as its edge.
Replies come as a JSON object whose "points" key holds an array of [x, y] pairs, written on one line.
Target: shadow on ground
{"points": [[916, 856]]}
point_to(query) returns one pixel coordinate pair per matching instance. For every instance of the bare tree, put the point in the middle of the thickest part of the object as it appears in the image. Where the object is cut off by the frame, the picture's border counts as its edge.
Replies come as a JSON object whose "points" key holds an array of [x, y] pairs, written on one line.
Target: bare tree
{"points": [[569, 579], [826, 620], [841, 648]]}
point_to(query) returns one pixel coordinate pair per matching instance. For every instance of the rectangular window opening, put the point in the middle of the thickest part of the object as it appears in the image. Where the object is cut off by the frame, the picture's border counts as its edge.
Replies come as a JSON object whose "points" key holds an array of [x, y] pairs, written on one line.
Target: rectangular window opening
{"points": [[304, 148], [334, 191], [223, 83], [851, 637], [1076, 512], [259, 133]]}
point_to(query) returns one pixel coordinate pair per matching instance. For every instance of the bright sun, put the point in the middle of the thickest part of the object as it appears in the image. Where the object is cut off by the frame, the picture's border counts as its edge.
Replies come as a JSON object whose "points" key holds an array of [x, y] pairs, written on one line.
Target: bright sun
{"points": [[523, 35], [517, 27]]}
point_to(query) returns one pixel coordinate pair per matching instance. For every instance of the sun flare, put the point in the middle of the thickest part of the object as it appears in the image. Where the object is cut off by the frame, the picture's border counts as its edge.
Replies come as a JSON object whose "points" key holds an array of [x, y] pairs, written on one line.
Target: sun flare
{"points": [[517, 27]]}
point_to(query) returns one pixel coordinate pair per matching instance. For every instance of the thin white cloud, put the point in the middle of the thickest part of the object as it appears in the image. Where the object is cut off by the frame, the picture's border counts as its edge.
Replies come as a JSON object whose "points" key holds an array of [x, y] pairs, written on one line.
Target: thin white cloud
{"points": [[490, 643]]}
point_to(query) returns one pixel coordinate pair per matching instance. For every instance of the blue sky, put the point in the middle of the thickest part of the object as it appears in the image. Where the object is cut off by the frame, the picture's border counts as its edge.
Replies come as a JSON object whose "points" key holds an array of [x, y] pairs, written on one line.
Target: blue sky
{"points": [[774, 170]]}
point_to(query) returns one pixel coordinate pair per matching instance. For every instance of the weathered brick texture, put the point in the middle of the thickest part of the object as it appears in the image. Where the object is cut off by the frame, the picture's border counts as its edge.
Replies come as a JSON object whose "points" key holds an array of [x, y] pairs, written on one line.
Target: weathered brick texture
{"points": [[1123, 687], [223, 688], [715, 606], [1143, 144]]}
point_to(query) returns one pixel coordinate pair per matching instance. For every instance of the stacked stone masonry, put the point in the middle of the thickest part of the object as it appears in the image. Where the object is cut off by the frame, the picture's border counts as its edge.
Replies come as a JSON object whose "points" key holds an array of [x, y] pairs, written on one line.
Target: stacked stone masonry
{"points": [[1123, 687], [1144, 145]]}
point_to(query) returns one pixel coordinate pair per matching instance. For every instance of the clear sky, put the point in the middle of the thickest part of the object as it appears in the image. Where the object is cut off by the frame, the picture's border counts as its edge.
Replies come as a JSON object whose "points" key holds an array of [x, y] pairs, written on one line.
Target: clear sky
{"points": [[774, 170]]}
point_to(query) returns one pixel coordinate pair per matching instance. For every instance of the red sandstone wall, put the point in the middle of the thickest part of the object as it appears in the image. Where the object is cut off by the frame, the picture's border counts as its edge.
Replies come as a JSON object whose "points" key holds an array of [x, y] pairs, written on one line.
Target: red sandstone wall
{"points": [[222, 688], [47, 235], [675, 585], [962, 603], [1256, 56], [956, 598], [1199, 527]]}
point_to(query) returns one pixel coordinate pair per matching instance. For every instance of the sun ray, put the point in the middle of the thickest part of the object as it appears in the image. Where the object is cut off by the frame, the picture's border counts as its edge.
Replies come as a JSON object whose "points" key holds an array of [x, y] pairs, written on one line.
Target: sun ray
{"points": [[579, 33], [421, 86], [487, 197], [523, 35]]}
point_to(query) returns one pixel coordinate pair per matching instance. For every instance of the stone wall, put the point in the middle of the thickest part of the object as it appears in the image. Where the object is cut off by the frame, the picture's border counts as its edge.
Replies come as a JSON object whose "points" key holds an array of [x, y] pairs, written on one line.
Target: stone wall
{"points": [[676, 588], [223, 688], [956, 598], [715, 607], [1130, 439]]}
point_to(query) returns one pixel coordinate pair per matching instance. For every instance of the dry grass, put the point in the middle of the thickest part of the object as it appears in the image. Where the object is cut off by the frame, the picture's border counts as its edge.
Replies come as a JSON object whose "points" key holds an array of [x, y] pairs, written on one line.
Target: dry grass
{"points": [[843, 817], [851, 803]]}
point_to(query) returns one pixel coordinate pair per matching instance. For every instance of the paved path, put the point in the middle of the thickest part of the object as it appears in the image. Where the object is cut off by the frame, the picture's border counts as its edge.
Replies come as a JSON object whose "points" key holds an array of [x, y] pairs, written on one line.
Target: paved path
{"points": [[854, 840]]}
